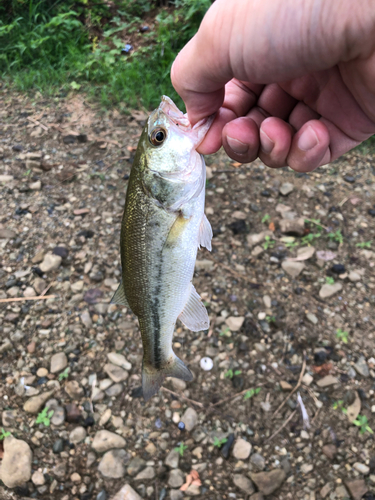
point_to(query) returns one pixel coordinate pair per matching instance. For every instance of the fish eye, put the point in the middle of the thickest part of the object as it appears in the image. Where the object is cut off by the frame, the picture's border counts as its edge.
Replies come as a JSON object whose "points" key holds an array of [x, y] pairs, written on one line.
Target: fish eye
{"points": [[158, 136]]}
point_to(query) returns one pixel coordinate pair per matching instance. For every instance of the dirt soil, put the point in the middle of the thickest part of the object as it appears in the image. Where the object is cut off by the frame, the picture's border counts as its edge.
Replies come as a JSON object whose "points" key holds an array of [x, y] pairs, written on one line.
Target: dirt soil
{"points": [[284, 322]]}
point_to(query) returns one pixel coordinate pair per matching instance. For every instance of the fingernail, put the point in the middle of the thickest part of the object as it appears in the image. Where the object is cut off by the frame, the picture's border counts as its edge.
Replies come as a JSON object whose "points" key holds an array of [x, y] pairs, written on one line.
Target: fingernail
{"points": [[237, 146], [308, 140], [266, 144]]}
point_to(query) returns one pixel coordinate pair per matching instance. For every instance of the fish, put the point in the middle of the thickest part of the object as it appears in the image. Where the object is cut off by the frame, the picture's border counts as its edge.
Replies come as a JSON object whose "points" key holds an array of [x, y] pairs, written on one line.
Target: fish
{"points": [[163, 226]]}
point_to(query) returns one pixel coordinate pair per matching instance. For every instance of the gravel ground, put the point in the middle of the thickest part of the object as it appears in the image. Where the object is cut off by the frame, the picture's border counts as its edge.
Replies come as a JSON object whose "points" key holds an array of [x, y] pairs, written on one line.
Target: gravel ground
{"points": [[287, 410]]}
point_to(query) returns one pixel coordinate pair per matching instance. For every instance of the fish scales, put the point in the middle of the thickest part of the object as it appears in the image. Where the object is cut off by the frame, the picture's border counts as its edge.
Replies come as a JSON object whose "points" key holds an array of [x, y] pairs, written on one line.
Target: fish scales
{"points": [[161, 230]]}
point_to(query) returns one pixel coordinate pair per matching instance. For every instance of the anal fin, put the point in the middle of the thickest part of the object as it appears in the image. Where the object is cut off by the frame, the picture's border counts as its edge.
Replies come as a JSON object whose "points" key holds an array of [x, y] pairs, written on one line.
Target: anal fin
{"points": [[119, 297], [194, 314], [205, 233]]}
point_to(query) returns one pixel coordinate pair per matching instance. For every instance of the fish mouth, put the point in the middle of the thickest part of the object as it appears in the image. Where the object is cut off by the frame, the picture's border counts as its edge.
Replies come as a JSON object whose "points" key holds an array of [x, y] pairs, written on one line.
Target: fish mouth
{"points": [[180, 120]]}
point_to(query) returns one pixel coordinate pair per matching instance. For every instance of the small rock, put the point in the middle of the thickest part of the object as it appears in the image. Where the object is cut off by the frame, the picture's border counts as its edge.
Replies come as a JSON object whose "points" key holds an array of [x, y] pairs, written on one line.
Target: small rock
{"points": [[58, 417], [306, 468], [294, 227], [257, 462], [256, 239], [268, 482], [241, 449], [225, 449], [267, 301], [116, 373], [7, 234], [29, 292], [172, 459], [243, 483], [35, 186], [119, 360], [105, 440], [58, 446], [338, 269], [16, 464], [292, 268], [73, 413], [59, 362], [35, 403], [176, 495], [136, 464], [204, 265], [112, 464], [102, 495], [86, 319], [38, 478], [50, 263], [361, 468], [75, 478], [328, 290], [286, 188], [147, 473], [176, 478], [178, 385], [285, 386], [312, 318], [361, 367], [357, 488], [327, 380], [126, 493], [105, 417], [234, 323], [190, 419], [77, 435], [327, 488], [114, 390], [307, 379], [73, 389], [354, 276], [8, 418]]}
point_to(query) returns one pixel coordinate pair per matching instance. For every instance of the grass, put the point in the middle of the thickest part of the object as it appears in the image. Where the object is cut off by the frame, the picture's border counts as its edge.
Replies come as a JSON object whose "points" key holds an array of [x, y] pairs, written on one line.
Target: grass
{"points": [[251, 392], [44, 417], [63, 375], [57, 47], [342, 335], [181, 448], [218, 443], [4, 434], [230, 374]]}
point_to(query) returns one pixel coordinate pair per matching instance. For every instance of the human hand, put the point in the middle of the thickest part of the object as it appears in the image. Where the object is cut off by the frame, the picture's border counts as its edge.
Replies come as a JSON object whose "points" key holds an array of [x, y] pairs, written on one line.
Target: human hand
{"points": [[290, 81]]}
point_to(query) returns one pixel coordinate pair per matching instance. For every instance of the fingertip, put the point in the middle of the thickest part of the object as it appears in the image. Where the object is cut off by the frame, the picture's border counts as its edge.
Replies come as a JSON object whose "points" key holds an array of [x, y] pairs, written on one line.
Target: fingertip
{"points": [[241, 139], [213, 140], [310, 147]]}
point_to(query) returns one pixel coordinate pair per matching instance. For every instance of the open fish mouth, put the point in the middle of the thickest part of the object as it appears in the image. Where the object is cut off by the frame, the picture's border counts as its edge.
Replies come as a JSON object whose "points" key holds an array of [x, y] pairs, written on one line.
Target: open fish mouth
{"points": [[178, 118]]}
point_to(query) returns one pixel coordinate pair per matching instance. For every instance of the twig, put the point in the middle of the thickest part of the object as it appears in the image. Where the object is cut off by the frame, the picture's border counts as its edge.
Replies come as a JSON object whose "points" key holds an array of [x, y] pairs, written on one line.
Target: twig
{"points": [[342, 202], [36, 122], [282, 427], [295, 388], [23, 299], [317, 223], [230, 398], [183, 397]]}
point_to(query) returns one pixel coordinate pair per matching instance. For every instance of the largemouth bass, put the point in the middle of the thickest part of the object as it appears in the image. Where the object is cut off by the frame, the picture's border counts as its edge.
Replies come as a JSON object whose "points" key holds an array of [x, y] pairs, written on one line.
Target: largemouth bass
{"points": [[162, 228]]}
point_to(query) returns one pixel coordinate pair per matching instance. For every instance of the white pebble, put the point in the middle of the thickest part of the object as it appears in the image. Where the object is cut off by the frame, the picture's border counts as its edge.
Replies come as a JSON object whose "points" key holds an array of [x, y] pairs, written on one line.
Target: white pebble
{"points": [[206, 364]]}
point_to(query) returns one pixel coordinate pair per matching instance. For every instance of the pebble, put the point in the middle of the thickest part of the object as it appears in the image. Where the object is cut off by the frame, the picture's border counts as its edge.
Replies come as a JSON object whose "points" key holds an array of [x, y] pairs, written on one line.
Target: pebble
{"points": [[105, 417], [285, 386], [29, 292], [178, 385], [256, 239], [35, 403], [354, 276], [361, 468], [50, 263], [294, 269], [73, 413], [58, 417], [16, 463], [176, 495], [294, 227], [361, 367], [243, 483], [86, 319], [35, 186], [116, 373], [328, 290], [77, 435], [147, 473], [306, 468], [42, 372], [338, 269], [190, 419], [135, 465], [8, 418], [73, 389], [105, 440], [257, 462], [267, 301], [268, 482], [357, 488], [172, 459], [114, 390], [312, 318], [176, 478], [58, 446], [59, 362], [241, 449], [38, 478], [119, 360], [126, 493], [286, 188], [112, 464], [235, 323], [102, 495], [307, 379], [204, 265], [330, 451], [327, 380], [75, 477]]}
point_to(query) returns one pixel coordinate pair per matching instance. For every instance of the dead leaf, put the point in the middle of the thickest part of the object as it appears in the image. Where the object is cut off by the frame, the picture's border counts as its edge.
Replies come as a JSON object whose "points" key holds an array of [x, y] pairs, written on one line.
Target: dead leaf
{"points": [[323, 370], [326, 255], [236, 164], [271, 226], [303, 253], [354, 409], [139, 116]]}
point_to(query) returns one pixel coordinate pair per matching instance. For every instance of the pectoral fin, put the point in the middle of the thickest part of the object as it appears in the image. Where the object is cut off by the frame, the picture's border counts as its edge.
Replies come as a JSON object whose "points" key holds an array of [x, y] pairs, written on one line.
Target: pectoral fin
{"points": [[205, 234], [194, 315], [119, 297]]}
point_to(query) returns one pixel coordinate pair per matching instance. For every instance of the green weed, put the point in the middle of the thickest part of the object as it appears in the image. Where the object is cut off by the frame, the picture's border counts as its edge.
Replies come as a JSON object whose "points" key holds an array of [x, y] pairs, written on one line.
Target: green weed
{"points": [[309, 238], [268, 242], [231, 374], [250, 393], [336, 236], [362, 422], [4, 434], [364, 244], [181, 448], [266, 218], [342, 335], [63, 375], [330, 280], [44, 417], [218, 443]]}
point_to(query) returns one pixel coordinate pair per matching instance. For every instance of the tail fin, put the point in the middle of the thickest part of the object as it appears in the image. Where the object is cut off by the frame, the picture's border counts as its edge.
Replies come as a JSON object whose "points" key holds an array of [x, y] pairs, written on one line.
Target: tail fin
{"points": [[152, 378]]}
